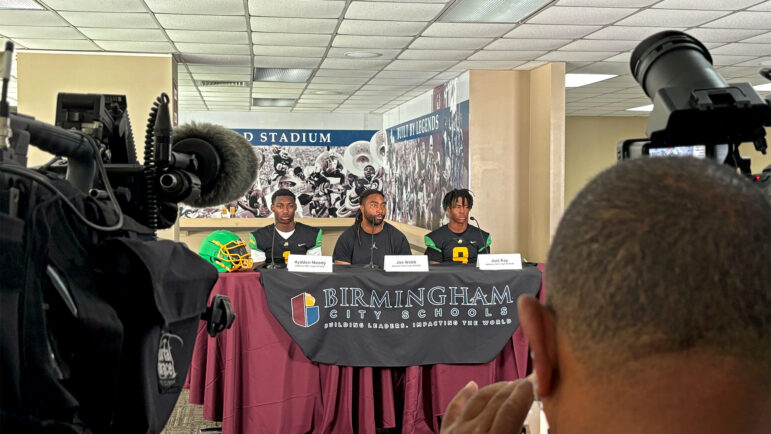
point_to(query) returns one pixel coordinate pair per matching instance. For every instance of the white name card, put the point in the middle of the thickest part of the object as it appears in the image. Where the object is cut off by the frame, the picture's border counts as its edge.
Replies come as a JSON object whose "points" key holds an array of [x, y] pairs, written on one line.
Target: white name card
{"points": [[500, 261], [406, 263], [309, 264]]}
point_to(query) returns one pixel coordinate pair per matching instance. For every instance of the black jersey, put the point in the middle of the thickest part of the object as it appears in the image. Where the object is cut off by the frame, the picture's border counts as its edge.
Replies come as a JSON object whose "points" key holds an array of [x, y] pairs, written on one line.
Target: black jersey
{"points": [[354, 243], [444, 245], [303, 239]]}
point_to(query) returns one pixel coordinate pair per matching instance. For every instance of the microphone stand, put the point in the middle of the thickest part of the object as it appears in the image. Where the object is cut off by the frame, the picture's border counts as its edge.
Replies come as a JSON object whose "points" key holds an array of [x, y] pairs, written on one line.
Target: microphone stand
{"points": [[480, 232], [372, 249], [272, 265]]}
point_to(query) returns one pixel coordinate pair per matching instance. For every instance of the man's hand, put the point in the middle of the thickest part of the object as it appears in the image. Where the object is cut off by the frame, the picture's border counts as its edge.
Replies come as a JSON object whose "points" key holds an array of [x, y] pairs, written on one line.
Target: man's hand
{"points": [[498, 408]]}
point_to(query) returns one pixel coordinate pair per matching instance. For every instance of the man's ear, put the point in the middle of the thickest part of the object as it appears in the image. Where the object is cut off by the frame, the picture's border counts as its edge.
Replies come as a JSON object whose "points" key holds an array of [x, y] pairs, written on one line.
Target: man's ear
{"points": [[537, 323]]}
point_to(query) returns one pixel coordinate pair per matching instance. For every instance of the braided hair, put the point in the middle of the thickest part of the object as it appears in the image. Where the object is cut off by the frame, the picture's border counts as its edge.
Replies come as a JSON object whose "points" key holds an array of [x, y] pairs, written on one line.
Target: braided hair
{"points": [[453, 196]]}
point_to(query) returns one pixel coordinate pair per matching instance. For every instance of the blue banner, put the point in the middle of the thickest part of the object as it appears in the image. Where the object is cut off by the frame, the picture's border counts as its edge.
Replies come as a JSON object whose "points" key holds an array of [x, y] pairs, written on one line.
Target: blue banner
{"points": [[427, 125], [283, 137]]}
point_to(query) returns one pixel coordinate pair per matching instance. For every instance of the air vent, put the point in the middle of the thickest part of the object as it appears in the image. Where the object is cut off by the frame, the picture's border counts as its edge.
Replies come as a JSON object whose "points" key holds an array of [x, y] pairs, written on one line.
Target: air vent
{"points": [[212, 83], [273, 102], [286, 75]]}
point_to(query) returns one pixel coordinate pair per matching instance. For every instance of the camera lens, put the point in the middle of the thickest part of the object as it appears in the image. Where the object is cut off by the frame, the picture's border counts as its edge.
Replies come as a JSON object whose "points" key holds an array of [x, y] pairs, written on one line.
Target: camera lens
{"points": [[673, 59]]}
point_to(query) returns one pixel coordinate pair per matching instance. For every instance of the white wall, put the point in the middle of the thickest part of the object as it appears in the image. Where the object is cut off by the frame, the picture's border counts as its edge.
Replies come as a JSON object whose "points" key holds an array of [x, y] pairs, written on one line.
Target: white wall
{"points": [[306, 121]]}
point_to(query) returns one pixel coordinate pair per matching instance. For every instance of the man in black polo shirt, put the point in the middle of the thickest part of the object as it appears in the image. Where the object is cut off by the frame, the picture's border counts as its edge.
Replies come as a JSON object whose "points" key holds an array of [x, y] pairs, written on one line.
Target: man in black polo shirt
{"points": [[355, 244], [457, 242], [274, 243]]}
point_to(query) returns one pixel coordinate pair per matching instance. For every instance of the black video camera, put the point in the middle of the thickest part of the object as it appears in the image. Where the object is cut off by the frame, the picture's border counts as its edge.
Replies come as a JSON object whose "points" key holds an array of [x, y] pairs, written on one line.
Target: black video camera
{"points": [[695, 112]]}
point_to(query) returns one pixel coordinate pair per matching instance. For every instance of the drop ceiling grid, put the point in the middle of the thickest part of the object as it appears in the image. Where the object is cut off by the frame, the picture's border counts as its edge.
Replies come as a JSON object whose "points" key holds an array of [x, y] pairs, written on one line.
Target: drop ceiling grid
{"points": [[594, 36]]}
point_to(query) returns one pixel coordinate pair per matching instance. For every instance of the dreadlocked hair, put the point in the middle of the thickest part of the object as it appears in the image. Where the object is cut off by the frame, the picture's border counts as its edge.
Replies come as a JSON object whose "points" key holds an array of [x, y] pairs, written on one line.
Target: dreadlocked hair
{"points": [[458, 194], [359, 215]]}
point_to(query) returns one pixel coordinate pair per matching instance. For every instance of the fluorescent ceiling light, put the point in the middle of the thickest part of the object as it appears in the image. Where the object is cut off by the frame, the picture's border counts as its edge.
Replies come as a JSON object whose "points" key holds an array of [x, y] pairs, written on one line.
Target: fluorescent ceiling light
{"points": [[362, 54], [19, 4], [491, 11], [763, 87], [578, 80], [273, 102], [286, 75], [642, 108]]}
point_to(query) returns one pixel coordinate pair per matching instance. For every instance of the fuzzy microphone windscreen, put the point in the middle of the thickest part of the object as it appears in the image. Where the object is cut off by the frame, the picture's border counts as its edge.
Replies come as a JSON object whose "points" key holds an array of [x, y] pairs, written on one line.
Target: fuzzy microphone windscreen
{"points": [[238, 162]]}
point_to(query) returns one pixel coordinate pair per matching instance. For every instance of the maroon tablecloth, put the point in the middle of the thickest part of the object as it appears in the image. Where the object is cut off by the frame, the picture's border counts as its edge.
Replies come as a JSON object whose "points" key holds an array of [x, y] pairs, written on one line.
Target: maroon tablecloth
{"points": [[255, 379]]}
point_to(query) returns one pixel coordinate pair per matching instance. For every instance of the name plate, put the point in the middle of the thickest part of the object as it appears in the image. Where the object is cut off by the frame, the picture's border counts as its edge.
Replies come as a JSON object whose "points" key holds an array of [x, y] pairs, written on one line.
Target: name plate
{"points": [[309, 264], [406, 263], [500, 261]]}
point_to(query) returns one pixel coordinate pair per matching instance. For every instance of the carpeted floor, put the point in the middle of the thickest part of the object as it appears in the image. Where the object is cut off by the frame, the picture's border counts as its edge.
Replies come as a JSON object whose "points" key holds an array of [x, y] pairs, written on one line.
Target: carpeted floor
{"points": [[187, 418]]}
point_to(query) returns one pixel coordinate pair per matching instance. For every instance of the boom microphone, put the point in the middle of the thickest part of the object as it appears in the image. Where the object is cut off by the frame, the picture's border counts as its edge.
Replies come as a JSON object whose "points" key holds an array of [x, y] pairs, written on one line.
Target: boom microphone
{"points": [[227, 164]]}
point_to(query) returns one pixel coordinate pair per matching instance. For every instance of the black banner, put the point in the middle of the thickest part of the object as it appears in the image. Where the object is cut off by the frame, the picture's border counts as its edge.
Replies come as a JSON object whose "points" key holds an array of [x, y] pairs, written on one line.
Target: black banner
{"points": [[362, 317]]}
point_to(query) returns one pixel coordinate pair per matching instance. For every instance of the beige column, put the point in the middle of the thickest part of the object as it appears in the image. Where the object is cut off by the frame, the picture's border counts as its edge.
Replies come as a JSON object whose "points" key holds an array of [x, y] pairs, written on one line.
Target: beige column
{"points": [[516, 140]]}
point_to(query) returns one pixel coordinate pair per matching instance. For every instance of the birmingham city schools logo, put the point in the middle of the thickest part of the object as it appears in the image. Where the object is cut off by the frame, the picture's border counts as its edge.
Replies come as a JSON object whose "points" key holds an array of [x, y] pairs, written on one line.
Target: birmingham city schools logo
{"points": [[304, 311]]}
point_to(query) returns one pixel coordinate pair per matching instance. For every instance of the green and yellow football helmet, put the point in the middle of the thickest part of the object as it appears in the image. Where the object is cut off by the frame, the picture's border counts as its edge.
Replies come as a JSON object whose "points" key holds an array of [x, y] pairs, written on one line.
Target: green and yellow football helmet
{"points": [[226, 251]]}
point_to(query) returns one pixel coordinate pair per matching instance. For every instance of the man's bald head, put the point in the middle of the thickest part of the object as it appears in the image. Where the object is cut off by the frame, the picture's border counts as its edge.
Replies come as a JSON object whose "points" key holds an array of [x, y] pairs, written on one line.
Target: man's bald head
{"points": [[659, 256]]}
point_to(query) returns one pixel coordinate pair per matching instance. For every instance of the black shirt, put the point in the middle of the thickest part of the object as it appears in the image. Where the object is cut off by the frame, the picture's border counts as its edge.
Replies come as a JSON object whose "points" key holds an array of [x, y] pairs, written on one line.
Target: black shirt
{"points": [[444, 245], [303, 239], [354, 243]]}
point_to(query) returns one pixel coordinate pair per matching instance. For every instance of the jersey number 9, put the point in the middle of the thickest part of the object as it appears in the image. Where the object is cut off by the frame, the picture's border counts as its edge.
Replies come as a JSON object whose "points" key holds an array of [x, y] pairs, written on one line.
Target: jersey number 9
{"points": [[460, 254]]}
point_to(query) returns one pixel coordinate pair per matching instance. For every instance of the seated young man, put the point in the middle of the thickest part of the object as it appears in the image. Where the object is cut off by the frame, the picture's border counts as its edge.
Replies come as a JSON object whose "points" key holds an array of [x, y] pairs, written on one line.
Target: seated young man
{"points": [[657, 315], [457, 242]]}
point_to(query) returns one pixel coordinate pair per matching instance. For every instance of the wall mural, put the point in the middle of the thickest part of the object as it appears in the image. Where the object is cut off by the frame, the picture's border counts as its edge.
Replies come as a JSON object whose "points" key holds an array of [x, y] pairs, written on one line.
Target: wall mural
{"points": [[413, 163]]}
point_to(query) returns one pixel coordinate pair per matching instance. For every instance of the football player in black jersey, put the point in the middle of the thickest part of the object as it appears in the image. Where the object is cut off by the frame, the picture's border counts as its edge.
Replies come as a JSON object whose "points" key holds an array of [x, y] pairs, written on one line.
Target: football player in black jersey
{"points": [[274, 243], [457, 242]]}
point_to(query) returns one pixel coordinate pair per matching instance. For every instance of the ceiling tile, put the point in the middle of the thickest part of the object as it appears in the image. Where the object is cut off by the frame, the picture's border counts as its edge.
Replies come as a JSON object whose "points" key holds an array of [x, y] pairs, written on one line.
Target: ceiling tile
{"points": [[604, 68], [292, 25], [197, 7], [507, 55], [208, 36], [40, 32], [221, 77], [546, 31], [486, 64], [201, 22], [378, 28], [393, 11], [404, 81], [347, 80], [220, 69], [765, 7], [425, 43], [706, 5], [344, 73], [580, 56], [371, 64], [270, 50], [580, 15], [743, 49], [105, 19], [447, 75], [285, 62], [623, 58], [743, 20], [467, 30], [123, 34], [435, 54], [40, 18], [670, 18], [214, 90], [52, 44], [291, 39], [97, 5], [527, 44], [219, 59], [607, 3], [765, 38], [351, 41], [420, 65], [385, 54], [627, 33], [599, 45], [296, 8], [406, 74], [140, 47], [531, 65], [194, 47], [721, 59]]}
